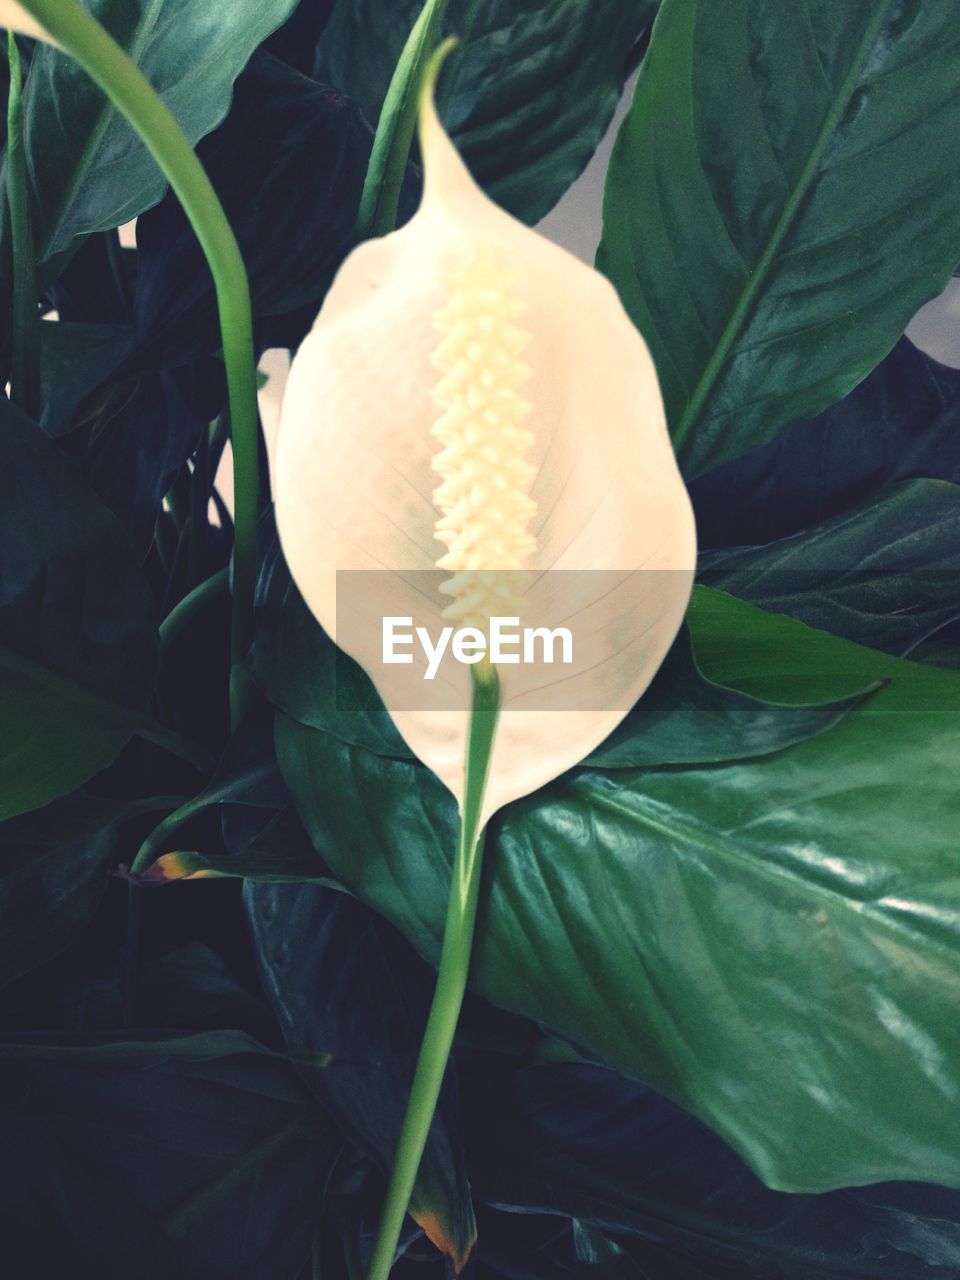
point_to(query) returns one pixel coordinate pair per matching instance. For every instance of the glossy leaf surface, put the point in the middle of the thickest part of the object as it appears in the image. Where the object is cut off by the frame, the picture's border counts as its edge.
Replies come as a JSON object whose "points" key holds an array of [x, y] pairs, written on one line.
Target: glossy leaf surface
{"points": [[779, 204], [712, 916], [558, 71], [88, 170], [884, 573]]}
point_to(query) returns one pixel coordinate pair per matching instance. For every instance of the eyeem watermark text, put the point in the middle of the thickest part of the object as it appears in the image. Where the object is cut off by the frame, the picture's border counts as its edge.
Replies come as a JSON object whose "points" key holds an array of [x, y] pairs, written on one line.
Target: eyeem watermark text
{"points": [[506, 643]]}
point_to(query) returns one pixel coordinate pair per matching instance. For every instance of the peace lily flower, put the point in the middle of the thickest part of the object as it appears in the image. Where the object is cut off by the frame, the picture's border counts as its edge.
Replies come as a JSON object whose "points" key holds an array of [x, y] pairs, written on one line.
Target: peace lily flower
{"points": [[473, 399]]}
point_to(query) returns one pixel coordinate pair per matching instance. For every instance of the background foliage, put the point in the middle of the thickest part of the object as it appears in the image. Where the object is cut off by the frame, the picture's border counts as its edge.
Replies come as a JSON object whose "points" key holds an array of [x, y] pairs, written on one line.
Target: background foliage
{"points": [[718, 962]]}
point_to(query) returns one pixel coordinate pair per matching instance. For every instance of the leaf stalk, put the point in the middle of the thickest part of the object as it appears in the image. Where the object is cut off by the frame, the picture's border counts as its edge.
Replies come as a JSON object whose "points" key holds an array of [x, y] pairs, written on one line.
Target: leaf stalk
{"points": [[79, 34], [451, 976], [25, 354]]}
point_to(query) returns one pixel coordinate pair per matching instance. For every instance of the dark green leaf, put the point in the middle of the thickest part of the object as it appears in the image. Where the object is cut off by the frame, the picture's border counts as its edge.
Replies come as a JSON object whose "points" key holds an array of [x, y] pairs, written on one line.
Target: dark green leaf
{"points": [[684, 718], [584, 1141], [900, 422], [208, 1140], [96, 285], [528, 98], [780, 202], [62, 1215], [246, 775], [74, 360], [88, 170], [342, 982], [276, 850], [296, 40], [771, 655], [145, 433], [184, 988], [78, 641], [288, 166], [55, 864], [771, 943], [883, 574]]}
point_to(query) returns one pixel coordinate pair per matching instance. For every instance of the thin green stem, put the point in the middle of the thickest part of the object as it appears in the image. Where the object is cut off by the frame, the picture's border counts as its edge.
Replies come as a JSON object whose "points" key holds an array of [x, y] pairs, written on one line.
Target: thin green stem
{"points": [[25, 354], [398, 119], [182, 614], [451, 976], [80, 35]]}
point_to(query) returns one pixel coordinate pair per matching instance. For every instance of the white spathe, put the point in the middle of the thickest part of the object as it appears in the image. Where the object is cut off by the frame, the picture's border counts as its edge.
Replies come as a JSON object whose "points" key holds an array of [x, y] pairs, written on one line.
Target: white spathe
{"points": [[356, 482], [13, 17]]}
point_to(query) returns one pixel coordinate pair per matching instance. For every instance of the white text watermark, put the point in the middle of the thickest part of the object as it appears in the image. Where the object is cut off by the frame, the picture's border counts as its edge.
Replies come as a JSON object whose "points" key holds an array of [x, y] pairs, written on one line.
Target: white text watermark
{"points": [[506, 643]]}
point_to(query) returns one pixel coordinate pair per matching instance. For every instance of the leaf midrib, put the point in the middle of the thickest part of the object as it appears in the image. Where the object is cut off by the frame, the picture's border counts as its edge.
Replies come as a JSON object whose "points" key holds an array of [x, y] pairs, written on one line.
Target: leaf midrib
{"points": [[758, 276], [134, 49]]}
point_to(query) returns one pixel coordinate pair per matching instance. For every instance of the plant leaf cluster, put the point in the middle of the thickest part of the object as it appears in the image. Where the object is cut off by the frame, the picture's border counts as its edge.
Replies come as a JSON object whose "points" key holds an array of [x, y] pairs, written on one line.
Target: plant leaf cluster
{"points": [[712, 1030]]}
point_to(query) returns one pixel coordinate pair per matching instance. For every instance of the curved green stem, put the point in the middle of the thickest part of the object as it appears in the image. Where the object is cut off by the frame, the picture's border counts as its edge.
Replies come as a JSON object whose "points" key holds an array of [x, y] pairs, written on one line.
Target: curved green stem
{"points": [[451, 976], [25, 364], [181, 614], [398, 119], [81, 36]]}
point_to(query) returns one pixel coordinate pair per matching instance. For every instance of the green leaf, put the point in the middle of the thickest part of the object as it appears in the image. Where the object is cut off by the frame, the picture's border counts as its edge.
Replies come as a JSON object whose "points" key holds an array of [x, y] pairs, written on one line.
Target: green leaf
{"points": [[183, 988], [88, 170], [780, 202], [771, 943], [262, 837], [684, 718], [74, 360], [883, 574], [55, 865], [275, 850], [527, 100], [186, 1138], [771, 655], [78, 640], [293, 237], [581, 1140], [901, 422], [312, 939]]}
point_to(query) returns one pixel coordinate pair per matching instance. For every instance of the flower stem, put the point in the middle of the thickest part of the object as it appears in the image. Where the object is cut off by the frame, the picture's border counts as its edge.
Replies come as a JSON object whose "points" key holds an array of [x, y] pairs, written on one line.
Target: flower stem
{"points": [[398, 119], [25, 363], [80, 35], [451, 976], [183, 612]]}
